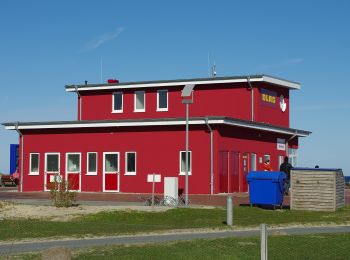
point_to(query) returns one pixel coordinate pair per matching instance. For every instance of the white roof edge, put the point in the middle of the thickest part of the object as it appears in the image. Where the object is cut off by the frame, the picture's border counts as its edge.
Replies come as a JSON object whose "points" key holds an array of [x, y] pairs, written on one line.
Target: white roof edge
{"points": [[265, 78], [152, 123], [281, 82]]}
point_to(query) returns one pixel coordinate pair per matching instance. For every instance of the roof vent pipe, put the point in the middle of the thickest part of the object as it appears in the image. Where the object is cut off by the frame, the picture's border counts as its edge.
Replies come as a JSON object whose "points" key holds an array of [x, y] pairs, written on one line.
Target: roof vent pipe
{"points": [[251, 98], [79, 100]]}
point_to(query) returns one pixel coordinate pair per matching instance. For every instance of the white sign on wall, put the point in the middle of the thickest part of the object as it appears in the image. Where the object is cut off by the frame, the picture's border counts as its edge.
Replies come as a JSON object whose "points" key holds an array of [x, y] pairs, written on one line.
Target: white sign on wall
{"points": [[157, 178], [281, 144]]}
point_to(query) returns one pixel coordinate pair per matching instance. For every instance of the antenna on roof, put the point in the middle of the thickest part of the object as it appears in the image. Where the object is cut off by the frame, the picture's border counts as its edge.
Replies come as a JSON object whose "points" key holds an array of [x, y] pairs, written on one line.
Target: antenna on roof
{"points": [[209, 74], [213, 71]]}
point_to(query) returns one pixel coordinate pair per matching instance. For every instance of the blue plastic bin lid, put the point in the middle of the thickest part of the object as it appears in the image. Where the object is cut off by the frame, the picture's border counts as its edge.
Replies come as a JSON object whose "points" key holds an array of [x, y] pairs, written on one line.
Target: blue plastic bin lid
{"points": [[262, 175]]}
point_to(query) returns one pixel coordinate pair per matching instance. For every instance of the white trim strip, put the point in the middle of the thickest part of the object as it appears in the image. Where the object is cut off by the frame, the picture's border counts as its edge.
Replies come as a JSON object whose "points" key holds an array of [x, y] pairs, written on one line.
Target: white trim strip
{"points": [[156, 123], [272, 80]]}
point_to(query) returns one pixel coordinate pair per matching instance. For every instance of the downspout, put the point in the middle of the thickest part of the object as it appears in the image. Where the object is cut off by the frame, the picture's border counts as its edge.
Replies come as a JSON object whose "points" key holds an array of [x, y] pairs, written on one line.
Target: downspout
{"points": [[251, 97], [287, 146], [79, 100], [211, 157], [22, 158]]}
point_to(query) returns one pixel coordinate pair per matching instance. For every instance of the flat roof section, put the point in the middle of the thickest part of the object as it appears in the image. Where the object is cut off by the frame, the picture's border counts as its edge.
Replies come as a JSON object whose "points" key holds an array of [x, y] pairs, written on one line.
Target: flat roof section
{"points": [[155, 122], [181, 82]]}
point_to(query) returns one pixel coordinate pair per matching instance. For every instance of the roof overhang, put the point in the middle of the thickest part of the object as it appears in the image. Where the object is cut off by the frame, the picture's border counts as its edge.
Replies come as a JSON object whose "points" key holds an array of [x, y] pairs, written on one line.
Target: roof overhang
{"points": [[155, 122], [197, 82]]}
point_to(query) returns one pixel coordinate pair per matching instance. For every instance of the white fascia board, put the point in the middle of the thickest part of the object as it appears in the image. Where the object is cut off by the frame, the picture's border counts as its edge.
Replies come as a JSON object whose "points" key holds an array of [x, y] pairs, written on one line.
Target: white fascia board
{"points": [[167, 84], [281, 82], [153, 123], [264, 128], [111, 124]]}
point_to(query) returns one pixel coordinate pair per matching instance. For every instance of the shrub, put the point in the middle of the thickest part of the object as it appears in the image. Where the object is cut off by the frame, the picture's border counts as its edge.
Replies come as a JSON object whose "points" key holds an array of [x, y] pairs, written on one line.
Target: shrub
{"points": [[60, 193]]}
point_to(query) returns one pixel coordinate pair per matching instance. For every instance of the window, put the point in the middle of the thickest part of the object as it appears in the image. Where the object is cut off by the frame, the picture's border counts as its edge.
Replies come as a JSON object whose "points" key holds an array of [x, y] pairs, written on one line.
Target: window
{"points": [[117, 102], [139, 101], [280, 160], [253, 161], [183, 162], [267, 157], [162, 100], [34, 164], [130, 163], [73, 162], [293, 156], [91, 164], [111, 162], [52, 162]]}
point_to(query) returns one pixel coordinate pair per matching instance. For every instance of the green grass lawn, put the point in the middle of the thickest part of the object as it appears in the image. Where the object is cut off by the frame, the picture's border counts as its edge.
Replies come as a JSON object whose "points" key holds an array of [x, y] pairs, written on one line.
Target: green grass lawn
{"points": [[325, 246], [122, 222]]}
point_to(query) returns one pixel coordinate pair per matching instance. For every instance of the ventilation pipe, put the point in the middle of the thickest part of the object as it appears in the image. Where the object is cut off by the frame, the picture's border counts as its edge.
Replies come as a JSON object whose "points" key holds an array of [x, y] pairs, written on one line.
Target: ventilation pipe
{"points": [[211, 158], [79, 100], [22, 158], [251, 97]]}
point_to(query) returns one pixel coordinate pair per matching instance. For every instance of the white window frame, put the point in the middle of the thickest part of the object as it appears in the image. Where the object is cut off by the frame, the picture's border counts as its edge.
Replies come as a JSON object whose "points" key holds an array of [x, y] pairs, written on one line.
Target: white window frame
{"points": [[87, 163], [104, 162], [253, 155], [67, 154], [30, 164], [167, 100], [126, 164], [191, 162], [118, 110], [280, 160], [144, 101], [59, 162]]}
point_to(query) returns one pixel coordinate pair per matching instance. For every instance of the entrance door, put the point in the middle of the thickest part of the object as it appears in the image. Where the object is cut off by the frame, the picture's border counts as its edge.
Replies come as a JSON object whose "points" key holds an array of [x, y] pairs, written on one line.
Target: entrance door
{"points": [[229, 171], [73, 171], [234, 171], [243, 184], [111, 171], [223, 171]]}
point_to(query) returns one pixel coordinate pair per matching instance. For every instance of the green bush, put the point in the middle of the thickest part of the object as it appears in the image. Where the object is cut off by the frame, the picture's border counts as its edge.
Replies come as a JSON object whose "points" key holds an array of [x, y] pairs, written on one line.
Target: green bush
{"points": [[60, 193]]}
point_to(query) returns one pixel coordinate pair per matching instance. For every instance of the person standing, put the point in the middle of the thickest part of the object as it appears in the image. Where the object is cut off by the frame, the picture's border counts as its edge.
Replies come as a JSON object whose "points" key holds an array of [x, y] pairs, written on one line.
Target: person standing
{"points": [[286, 167]]}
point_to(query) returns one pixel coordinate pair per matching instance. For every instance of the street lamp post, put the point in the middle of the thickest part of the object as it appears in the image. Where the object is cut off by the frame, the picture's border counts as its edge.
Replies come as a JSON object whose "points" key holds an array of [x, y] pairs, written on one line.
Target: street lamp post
{"points": [[187, 99]]}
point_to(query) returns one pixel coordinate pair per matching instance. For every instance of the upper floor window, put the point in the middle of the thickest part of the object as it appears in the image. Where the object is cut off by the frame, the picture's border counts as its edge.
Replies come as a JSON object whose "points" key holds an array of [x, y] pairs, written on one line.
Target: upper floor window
{"points": [[117, 102], [140, 102], [162, 100]]}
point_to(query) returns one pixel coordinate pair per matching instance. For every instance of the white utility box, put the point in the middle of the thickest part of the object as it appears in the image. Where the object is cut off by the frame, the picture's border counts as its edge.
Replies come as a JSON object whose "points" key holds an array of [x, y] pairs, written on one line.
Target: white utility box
{"points": [[171, 185]]}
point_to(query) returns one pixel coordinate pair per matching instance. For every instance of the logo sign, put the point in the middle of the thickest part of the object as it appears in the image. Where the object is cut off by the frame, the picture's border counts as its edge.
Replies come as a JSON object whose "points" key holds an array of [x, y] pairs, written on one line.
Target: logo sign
{"points": [[283, 104], [281, 144], [154, 178], [268, 97]]}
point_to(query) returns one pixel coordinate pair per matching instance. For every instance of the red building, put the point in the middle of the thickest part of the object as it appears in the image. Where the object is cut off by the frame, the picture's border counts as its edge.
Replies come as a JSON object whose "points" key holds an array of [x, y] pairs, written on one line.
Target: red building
{"points": [[126, 131]]}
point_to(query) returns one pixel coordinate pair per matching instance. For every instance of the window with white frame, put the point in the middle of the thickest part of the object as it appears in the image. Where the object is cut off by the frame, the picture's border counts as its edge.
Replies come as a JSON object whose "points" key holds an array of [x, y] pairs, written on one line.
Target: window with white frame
{"points": [[280, 160], [183, 162], [162, 100], [118, 102], [111, 162], [91, 163], [140, 101], [34, 164], [293, 156], [130, 163], [267, 157], [73, 162], [52, 162], [253, 161]]}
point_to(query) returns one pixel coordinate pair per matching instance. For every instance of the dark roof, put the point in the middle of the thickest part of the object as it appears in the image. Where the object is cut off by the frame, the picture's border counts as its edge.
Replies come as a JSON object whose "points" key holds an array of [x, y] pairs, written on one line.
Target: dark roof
{"points": [[228, 120], [82, 86]]}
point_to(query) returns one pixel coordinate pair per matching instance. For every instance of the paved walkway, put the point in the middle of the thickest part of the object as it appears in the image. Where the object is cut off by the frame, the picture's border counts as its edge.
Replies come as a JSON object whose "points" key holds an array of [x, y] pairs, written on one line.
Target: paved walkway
{"points": [[21, 247]]}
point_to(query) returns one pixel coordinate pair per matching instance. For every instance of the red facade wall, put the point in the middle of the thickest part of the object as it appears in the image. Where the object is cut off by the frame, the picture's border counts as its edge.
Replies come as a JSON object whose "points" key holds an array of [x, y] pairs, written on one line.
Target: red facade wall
{"points": [[231, 100], [157, 151]]}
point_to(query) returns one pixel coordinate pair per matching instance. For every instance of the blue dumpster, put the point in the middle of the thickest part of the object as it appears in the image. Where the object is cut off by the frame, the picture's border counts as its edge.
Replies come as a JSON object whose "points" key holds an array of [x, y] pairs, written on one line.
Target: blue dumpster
{"points": [[266, 188]]}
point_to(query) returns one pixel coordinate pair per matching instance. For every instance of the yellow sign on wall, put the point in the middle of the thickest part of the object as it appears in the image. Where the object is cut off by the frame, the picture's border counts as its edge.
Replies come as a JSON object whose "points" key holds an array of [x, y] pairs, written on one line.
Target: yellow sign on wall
{"points": [[268, 98]]}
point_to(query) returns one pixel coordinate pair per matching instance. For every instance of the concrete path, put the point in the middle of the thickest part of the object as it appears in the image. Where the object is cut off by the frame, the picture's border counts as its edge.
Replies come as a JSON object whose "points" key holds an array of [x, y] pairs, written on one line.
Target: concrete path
{"points": [[21, 247]]}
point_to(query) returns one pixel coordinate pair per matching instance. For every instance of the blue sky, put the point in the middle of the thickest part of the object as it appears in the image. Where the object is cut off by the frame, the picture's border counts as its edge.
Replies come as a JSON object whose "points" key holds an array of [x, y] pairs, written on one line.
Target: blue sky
{"points": [[47, 44]]}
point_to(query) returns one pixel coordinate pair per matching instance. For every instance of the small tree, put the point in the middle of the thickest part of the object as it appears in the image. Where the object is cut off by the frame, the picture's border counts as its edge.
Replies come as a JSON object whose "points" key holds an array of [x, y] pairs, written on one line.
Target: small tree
{"points": [[60, 192]]}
